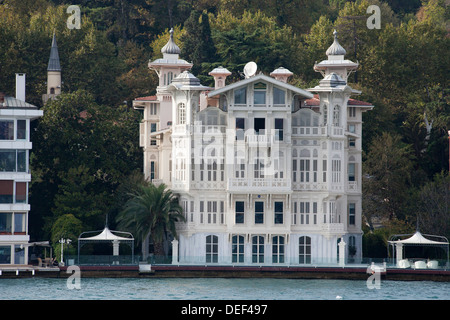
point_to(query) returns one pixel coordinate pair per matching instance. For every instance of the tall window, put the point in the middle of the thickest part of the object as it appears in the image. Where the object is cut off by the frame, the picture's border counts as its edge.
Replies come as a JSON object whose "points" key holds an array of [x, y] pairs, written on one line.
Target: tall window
{"points": [[279, 129], [278, 249], [240, 212], [212, 249], [336, 171], [152, 170], [259, 212], [240, 96], [153, 129], [279, 96], [240, 128], [6, 222], [19, 223], [351, 172], [278, 212], [337, 116], [181, 113], [351, 213], [237, 249], [259, 168], [304, 250], [260, 126], [325, 114], [259, 93], [258, 249]]}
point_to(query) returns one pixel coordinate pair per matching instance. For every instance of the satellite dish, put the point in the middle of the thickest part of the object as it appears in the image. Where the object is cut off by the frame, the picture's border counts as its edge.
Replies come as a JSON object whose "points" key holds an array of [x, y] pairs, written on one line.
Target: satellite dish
{"points": [[250, 69]]}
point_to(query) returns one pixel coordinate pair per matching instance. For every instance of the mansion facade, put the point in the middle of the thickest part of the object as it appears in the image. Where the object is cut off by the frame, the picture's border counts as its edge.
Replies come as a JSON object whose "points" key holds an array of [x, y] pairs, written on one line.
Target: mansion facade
{"points": [[266, 173]]}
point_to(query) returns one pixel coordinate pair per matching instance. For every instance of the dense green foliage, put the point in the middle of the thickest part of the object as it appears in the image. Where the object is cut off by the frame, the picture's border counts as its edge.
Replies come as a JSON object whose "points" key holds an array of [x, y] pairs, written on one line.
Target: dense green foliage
{"points": [[85, 146]]}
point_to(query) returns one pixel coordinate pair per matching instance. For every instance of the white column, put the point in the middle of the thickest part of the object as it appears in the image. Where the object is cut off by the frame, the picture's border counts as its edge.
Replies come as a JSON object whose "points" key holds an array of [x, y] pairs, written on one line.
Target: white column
{"points": [[342, 245], [116, 247], [175, 251], [399, 252]]}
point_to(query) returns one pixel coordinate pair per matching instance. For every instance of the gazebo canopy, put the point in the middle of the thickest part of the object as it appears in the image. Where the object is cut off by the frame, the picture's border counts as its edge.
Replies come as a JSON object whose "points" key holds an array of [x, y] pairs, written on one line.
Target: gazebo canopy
{"points": [[418, 239], [106, 235]]}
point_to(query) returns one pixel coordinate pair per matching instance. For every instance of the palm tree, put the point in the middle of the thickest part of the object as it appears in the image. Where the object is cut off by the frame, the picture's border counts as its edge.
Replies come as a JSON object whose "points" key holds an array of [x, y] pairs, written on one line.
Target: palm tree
{"points": [[151, 211]]}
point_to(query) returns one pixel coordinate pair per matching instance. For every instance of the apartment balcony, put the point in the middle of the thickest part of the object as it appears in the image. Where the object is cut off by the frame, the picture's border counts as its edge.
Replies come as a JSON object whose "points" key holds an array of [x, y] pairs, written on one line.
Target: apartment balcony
{"points": [[269, 185]]}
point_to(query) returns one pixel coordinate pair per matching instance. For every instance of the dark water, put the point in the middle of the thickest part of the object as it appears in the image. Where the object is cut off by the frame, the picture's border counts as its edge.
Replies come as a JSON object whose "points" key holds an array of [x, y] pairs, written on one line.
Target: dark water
{"points": [[219, 289]]}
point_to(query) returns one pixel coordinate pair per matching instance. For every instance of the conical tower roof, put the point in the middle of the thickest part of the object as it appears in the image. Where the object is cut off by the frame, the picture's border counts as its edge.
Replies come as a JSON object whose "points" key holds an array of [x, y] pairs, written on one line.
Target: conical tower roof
{"points": [[53, 62]]}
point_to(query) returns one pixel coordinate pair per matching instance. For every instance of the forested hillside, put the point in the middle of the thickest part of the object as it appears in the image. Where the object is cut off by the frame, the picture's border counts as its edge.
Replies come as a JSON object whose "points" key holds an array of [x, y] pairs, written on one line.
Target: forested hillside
{"points": [[404, 73]]}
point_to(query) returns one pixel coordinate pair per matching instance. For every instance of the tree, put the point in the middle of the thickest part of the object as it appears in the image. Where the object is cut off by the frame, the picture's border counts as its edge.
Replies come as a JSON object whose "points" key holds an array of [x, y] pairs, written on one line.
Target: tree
{"points": [[434, 217], [387, 173], [81, 153], [151, 211], [198, 44]]}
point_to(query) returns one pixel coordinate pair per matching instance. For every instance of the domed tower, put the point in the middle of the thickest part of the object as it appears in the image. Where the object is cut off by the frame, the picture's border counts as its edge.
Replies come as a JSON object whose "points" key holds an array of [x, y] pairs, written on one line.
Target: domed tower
{"points": [[167, 68]]}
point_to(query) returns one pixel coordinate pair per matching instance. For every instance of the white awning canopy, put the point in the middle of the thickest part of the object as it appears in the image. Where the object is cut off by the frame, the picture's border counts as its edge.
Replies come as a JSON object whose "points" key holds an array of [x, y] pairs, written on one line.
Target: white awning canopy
{"points": [[107, 235], [418, 239]]}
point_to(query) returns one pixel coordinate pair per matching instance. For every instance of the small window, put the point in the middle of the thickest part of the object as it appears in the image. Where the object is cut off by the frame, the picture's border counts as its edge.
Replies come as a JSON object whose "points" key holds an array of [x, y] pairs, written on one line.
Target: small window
{"points": [[240, 96], [259, 212]]}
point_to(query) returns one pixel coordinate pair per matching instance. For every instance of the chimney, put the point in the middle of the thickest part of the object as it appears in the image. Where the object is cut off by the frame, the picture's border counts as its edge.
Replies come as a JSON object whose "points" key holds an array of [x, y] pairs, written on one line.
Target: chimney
{"points": [[20, 86]]}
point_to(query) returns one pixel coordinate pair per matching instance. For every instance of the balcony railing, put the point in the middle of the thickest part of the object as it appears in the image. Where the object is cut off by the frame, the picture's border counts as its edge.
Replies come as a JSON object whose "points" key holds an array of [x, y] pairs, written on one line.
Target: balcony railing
{"points": [[317, 131], [259, 184]]}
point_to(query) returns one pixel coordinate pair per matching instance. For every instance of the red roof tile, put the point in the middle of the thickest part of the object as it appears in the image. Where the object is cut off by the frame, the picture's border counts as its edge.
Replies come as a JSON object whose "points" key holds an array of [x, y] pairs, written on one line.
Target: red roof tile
{"points": [[148, 98], [351, 102]]}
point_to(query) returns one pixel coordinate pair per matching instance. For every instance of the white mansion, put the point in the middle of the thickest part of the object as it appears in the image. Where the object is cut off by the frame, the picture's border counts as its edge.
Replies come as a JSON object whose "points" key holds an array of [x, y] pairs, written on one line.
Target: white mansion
{"points": [[267, 173]]}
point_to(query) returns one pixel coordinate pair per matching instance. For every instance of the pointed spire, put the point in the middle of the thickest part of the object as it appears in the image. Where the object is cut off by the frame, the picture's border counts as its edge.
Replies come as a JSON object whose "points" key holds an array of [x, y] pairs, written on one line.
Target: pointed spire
{"points": [[170, 46], [336, 49], [53, 62]]}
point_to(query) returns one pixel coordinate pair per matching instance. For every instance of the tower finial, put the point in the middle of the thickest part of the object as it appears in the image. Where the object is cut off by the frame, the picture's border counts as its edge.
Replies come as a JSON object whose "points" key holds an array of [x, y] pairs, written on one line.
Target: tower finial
{"points": [[170, 46], [335, 49]]}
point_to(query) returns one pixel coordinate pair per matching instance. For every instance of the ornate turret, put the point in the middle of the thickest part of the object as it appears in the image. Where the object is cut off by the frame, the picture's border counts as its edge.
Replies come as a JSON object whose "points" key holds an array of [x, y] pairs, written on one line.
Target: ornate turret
{"points": [[336, 63]]}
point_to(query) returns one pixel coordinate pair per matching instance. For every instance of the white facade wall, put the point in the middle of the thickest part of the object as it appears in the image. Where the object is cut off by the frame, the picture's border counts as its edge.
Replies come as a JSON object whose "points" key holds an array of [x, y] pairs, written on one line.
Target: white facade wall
{"points": [[313, 172]]}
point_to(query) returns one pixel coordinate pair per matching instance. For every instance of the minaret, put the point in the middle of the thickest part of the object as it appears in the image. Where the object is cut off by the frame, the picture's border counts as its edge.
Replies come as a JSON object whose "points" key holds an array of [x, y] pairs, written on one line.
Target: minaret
{"points": [[53, 73]]}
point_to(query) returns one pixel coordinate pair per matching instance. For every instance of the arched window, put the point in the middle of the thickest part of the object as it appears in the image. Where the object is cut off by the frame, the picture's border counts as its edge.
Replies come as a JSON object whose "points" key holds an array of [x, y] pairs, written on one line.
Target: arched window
{"points": [[52, 90], [304, 250], [278, 249], [237, 249], [258, 249], [181, 113], [212, 249]]}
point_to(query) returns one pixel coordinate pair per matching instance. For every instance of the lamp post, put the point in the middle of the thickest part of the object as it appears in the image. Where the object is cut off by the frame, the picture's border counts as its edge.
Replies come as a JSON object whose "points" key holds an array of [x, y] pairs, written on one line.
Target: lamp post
{"points": [[62, 241]]}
